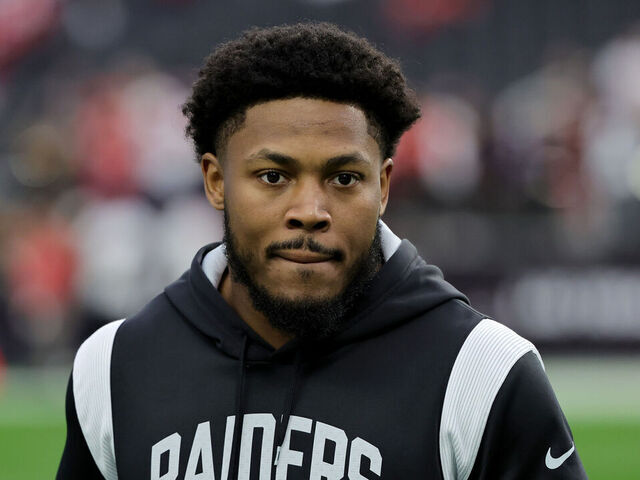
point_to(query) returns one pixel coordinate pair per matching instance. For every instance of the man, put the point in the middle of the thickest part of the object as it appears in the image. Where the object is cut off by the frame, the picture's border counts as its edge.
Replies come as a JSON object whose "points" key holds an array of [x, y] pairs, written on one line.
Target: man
{"points": [[312, 343]]}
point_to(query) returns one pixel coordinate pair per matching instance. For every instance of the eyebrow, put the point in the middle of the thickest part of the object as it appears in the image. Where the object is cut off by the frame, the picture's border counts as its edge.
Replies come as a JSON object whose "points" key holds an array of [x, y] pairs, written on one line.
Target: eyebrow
{"points": [[287, 161]]}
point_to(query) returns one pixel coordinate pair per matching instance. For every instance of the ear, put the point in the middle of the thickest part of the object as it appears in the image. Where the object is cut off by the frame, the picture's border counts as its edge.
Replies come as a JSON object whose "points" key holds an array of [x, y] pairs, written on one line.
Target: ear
{"points": [[385, 178], [213, 177]]}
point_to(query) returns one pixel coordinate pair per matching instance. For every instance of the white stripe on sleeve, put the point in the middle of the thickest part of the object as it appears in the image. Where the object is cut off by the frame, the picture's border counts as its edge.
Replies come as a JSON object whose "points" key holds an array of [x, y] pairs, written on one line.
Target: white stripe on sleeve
{"points": [[92, 396], [481, 367]]}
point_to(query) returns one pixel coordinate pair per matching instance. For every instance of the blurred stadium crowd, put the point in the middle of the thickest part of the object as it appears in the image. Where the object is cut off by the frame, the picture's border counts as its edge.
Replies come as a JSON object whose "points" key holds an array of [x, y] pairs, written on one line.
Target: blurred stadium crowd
{"points": [[525, 191]]}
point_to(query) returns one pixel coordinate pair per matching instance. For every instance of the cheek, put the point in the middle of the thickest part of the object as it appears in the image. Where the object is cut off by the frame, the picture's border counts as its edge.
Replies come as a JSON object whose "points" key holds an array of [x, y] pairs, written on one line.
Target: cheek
{"points": [[360, 227], [250, 218]]}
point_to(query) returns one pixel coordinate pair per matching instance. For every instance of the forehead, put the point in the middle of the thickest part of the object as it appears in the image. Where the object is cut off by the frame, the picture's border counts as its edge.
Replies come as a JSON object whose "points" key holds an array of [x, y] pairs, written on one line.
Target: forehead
{"points": [[303, 126]]}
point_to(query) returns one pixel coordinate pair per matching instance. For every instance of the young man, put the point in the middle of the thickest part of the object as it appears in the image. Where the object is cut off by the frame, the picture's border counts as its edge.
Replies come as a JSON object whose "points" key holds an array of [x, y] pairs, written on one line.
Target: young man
{"points": [[312, 343]]}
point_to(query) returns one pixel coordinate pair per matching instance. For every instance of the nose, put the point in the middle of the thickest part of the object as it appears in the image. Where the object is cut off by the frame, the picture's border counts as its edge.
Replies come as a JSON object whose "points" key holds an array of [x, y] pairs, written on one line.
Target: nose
{"points": [[308, 210]]}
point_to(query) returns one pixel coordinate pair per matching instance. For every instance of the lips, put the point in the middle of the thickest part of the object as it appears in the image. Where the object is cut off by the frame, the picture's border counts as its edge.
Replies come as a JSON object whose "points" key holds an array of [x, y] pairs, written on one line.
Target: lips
{"points": [[303, 256]]}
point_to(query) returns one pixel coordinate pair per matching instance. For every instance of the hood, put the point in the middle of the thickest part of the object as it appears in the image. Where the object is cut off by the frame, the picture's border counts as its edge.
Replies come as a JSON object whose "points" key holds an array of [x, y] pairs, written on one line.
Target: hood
{"points": [[404, 289]]}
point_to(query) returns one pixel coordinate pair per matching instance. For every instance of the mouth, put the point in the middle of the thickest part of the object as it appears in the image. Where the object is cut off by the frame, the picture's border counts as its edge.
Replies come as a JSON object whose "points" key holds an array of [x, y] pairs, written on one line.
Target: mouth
{"points": [[304, 256]]}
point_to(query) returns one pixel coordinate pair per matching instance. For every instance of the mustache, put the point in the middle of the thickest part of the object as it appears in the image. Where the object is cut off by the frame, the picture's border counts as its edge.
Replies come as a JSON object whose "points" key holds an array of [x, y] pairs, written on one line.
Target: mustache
{"points": [[306, 243]]}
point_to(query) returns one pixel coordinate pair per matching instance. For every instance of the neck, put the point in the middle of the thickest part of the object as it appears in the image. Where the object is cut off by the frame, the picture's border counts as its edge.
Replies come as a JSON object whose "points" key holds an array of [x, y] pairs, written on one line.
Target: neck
{"points": [[237, 296]]}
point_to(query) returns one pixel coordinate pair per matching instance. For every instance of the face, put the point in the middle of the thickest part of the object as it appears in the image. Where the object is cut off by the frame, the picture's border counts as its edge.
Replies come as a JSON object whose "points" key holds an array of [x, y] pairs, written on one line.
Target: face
{"points": [[302, 184]]}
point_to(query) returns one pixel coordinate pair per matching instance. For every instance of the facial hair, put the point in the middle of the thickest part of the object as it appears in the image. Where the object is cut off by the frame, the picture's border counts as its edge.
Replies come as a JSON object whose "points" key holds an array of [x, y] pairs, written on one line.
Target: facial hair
{"points": [[304, 318]]}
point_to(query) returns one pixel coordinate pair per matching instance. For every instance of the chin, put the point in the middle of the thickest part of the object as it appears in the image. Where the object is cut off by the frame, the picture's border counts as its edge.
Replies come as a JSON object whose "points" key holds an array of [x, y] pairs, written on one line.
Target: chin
{"points": [[299, 290], [304, 283], [306, 294]]}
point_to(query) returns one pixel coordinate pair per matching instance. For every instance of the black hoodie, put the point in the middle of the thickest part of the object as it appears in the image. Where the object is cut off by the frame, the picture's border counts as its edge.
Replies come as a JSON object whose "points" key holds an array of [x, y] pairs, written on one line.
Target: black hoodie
{"points": [[417, 386]]}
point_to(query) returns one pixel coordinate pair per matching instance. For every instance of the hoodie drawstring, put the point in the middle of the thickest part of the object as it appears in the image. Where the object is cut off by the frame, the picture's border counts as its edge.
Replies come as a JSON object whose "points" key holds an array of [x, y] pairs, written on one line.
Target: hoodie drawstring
{"points": [[281, 429], [239, 418]]}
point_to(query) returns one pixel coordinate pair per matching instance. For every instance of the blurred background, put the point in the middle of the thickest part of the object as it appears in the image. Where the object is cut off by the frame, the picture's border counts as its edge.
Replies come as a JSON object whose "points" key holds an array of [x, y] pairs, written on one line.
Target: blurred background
{"points": [[521, 181]]}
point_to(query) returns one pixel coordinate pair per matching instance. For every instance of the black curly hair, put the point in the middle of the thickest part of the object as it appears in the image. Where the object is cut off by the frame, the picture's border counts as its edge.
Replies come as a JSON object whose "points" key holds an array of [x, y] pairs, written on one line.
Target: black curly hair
{"points": [[313, 60]]}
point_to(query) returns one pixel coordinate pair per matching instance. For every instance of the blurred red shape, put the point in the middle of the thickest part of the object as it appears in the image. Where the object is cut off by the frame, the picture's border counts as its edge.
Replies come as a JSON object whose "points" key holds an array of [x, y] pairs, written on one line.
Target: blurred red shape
{"points": [[24, 24], [425, 16], [40, 268], [104, 148]]}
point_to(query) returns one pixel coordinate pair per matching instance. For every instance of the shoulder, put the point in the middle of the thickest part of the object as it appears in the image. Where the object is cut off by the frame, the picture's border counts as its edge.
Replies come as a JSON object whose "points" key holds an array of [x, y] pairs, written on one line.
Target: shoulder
{"points": [[97, 360], [96, 349], [484, 361], [490, 344], [92, 395]]}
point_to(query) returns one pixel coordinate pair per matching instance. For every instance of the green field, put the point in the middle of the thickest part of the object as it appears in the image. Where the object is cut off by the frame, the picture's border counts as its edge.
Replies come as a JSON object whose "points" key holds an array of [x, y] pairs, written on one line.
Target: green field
{"points": [[601, 398]]}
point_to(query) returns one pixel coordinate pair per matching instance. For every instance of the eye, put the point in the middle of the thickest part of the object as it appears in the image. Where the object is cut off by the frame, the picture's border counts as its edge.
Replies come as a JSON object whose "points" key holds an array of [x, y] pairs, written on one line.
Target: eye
{"points": [[345, 179], [272, 177]]}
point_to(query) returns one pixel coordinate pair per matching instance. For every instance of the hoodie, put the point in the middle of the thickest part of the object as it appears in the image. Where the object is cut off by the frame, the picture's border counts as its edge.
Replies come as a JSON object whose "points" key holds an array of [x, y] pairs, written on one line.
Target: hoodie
{"points": [[417, 385]]}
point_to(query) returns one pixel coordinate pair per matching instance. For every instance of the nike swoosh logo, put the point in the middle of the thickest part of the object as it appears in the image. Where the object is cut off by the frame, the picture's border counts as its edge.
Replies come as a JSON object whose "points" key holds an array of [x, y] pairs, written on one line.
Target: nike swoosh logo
{"points": [[552, 463]]}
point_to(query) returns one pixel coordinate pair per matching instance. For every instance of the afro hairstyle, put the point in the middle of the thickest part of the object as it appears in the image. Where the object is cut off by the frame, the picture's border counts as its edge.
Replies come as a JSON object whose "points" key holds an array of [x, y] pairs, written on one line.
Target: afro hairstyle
{"points": [[312, 60]]}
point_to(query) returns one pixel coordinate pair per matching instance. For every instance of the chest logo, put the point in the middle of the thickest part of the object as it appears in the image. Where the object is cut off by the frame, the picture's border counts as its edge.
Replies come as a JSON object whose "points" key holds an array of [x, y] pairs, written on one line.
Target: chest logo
{"points": [[319, 451], [552, 463]]}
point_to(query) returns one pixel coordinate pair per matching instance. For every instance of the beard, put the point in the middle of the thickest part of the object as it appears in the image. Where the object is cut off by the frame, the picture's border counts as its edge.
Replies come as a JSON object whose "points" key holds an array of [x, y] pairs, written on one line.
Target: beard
{"points": [[307, 318]]}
